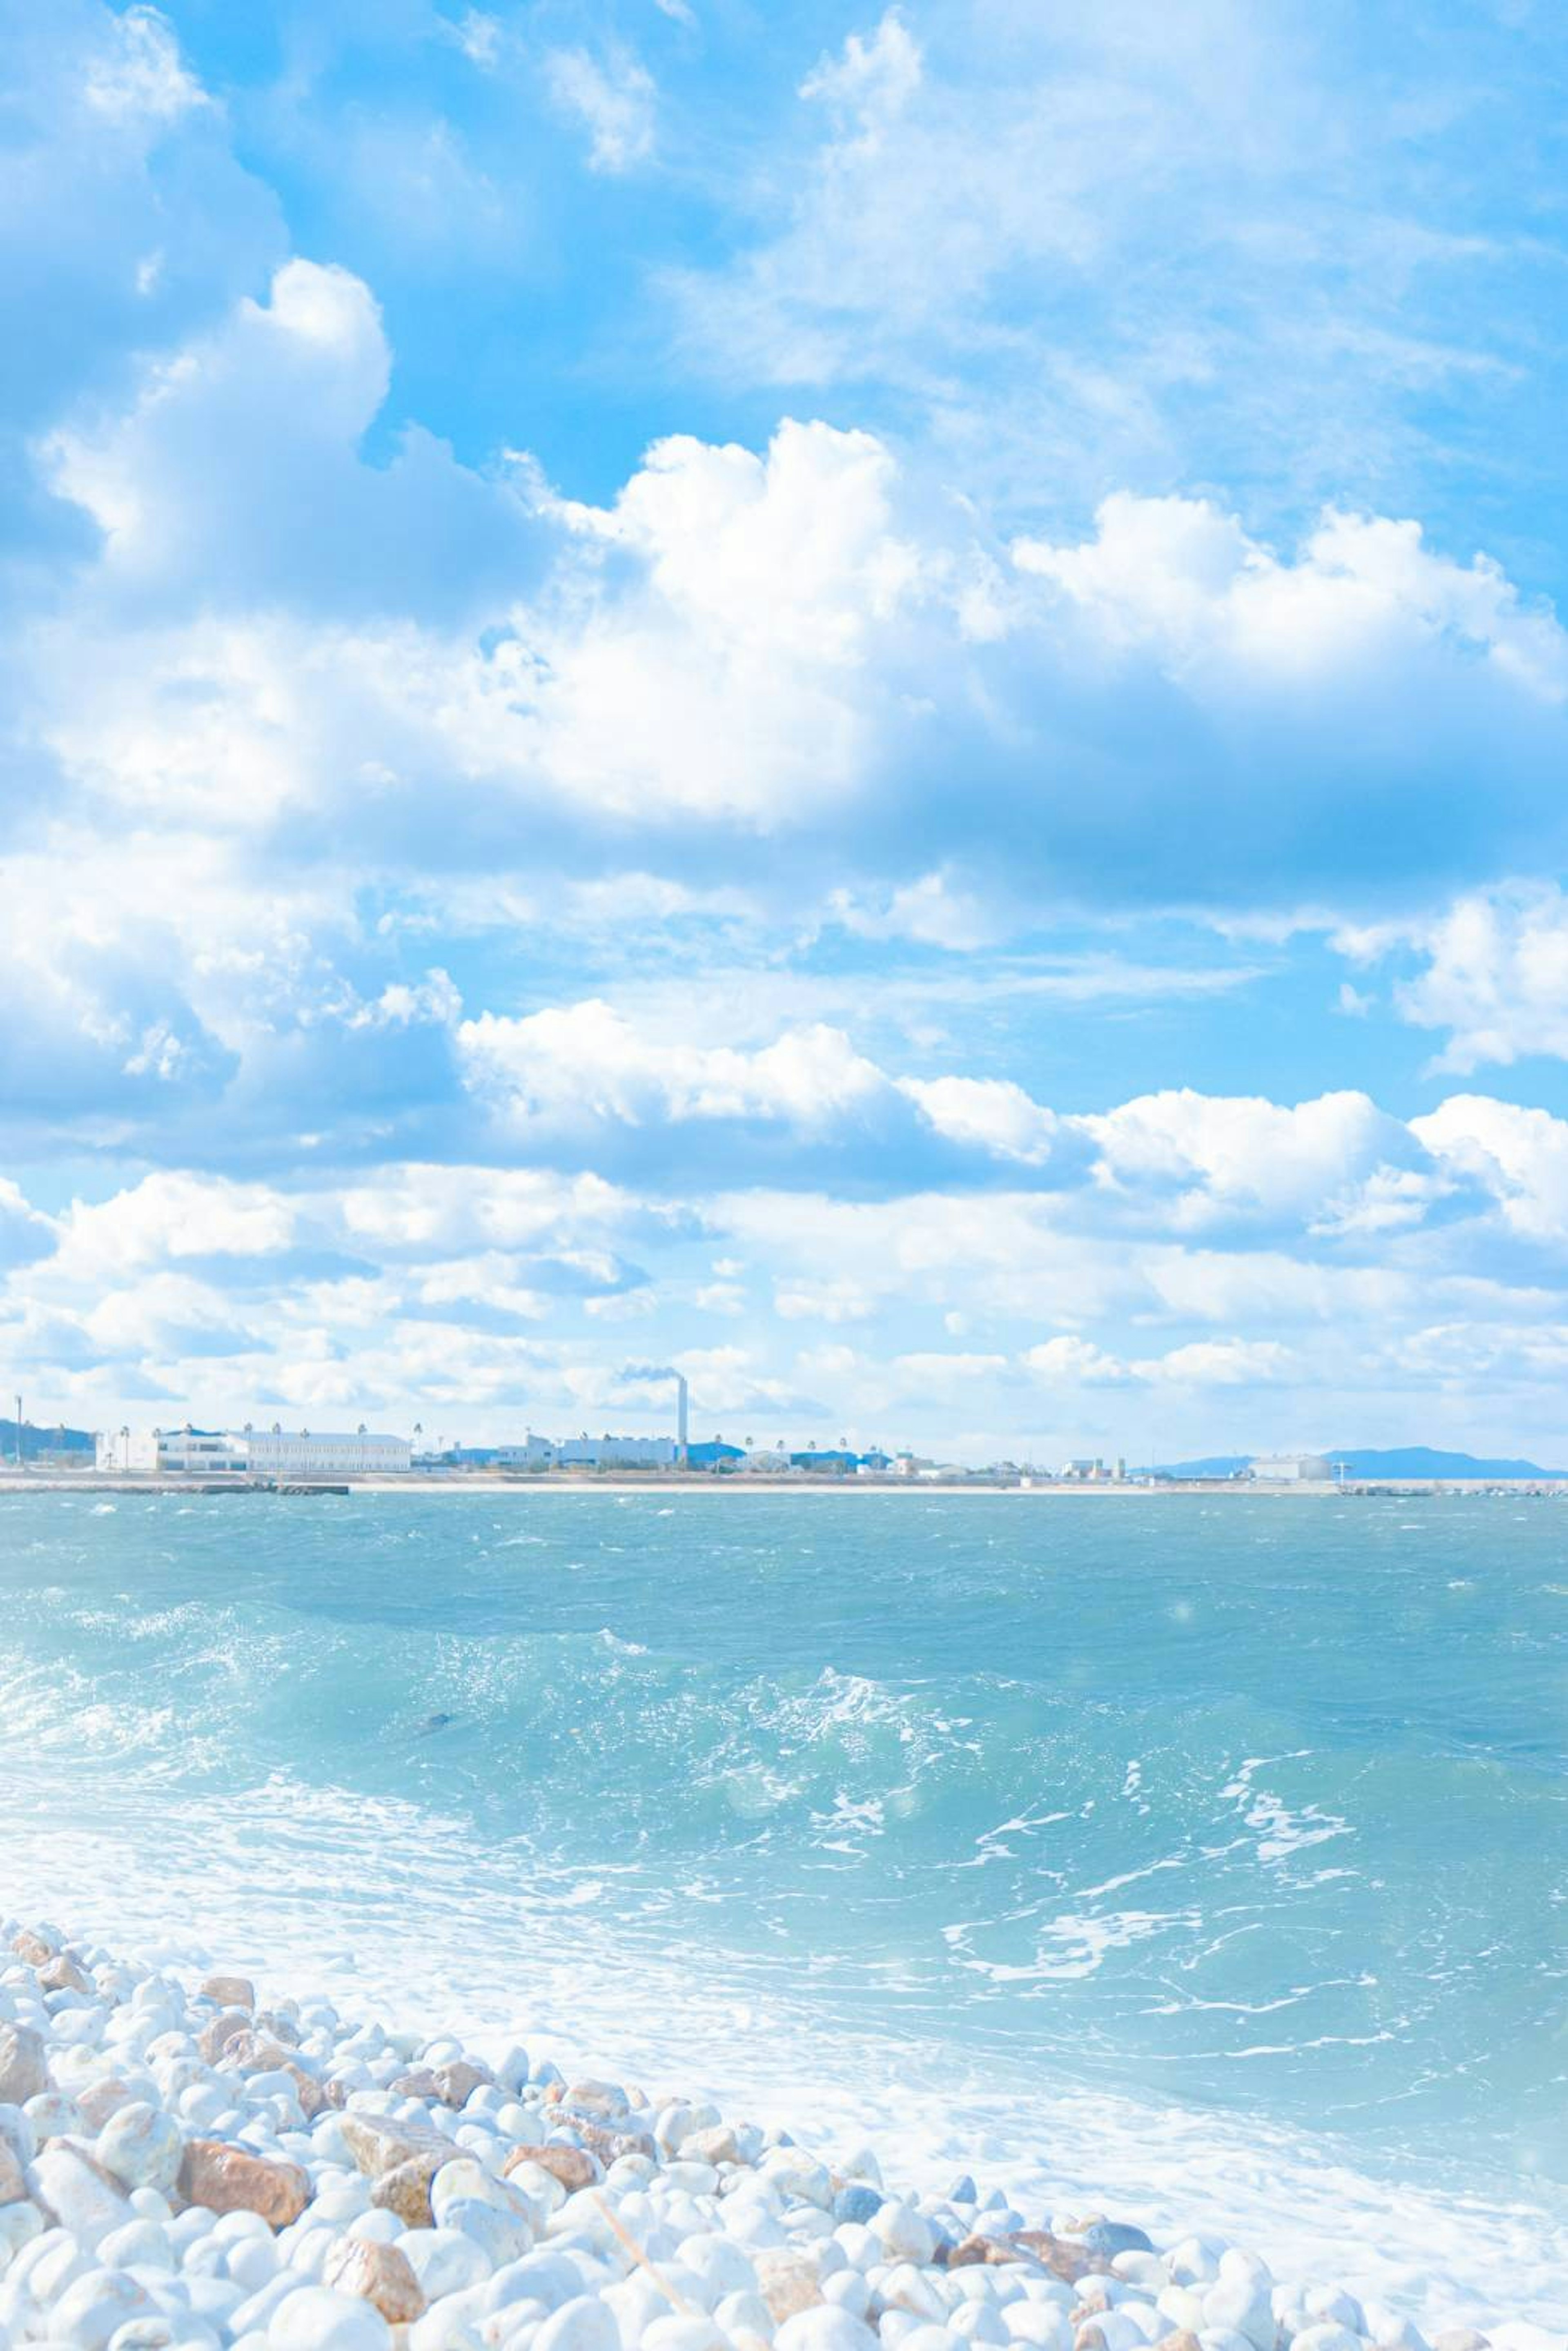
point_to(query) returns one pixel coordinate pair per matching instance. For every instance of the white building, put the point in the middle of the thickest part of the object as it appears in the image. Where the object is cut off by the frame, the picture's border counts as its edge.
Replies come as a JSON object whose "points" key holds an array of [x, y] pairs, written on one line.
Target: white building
{"points": [[1290, 1468], [248, 1452], [618, 1453], [315, 1453], [182, 1452]]}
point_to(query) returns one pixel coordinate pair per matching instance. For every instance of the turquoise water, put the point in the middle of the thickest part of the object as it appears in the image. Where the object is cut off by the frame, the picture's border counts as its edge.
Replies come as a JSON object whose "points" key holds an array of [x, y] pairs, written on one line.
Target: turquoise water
{"points": [[1246, 1819]]}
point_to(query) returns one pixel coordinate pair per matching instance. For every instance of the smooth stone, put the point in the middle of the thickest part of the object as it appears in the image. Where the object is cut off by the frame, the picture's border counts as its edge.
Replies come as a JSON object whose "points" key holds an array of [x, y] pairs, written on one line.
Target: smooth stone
{"points": [[1040, 2324], [824, 2329], [225, 2180], [141, 2145], [251, 2263], [255, 2315], [23, 2065], [94, 2306], [502, 2235], [1194, 2262], [584, 2324], [53, 2115], [378, 2274], [1331, 2303], [82, 2198], [720, 2261], [1327, 2336], [1107, 2237], [858, 2203], [1239, 2305], [849, 2289], [978, 2322], [317, 2319], [571, 2167], [444, 2260], [906, 2287], [140, 2243], [787, 2282], [681, 2333]]}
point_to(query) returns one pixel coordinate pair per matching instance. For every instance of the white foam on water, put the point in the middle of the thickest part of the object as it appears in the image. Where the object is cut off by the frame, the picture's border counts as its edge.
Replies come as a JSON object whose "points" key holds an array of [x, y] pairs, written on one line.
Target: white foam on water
{"points": [[392, 1913]]}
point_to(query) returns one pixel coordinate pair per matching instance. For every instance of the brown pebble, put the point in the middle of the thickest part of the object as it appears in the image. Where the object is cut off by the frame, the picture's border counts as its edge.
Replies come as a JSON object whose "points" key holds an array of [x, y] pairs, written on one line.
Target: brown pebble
{"points": [[62, 1974], [573, 2166], [216, 2036], [229, 1991], [1037, 2246], [379, 2274], [23, 2065], [1064, 2261], [405, 2189], [609, 2144], [786, 2280], [418, 2081], [225, 2180], [102, 2098], [1182, 2340], [312, 2096], [32, 1949], [255, 2053], [282, 2027], [13, 2182], [379, 2143], [456, 2083]]}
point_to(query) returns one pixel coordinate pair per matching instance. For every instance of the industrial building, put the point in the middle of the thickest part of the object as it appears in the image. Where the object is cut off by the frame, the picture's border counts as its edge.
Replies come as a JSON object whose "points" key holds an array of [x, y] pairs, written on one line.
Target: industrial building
{"points": [[1291, 1468], [275, 1453], [587, 1452]]}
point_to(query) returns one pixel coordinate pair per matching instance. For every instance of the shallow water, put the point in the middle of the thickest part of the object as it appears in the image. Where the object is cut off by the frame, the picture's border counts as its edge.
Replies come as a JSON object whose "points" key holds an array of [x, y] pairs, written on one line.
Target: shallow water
{"points": [[1211, 1856]]}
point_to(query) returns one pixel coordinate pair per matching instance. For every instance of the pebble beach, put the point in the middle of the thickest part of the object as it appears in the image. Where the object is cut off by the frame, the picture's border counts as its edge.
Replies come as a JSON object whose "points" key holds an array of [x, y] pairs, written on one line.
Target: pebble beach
{"points": [[218, 2165]]}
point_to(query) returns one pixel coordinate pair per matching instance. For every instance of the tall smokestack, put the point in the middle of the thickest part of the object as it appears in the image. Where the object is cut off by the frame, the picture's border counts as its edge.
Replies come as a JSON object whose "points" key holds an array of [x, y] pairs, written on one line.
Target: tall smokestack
{"points": [[681, 1422]]}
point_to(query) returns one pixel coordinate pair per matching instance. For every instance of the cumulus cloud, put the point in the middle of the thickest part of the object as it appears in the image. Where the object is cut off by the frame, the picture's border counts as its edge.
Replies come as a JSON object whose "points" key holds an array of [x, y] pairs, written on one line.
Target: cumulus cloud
{"points": [[1493, 972], [1183, 578], [806, 643]]}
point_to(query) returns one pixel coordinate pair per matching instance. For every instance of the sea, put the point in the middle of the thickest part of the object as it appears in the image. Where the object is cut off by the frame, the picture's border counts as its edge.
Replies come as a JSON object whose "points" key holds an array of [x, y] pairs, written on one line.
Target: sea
{"points": [[1202, 1861]]}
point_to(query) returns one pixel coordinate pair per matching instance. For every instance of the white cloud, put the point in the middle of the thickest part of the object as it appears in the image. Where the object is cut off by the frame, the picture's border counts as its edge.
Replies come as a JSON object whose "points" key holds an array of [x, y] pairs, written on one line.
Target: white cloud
{"points": [[614, 97], [1495, 976], [169, 1215], [1203, 1159], [137, 74], [1180, 577], [1076, 1363], [872, 80], [1220, 1362], [1520, 1156], [988, 1114], [587, 1062]]}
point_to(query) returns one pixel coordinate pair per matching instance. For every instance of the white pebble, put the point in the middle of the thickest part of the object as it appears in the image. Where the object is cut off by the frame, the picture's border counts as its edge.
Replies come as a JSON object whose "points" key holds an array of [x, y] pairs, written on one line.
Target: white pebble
{"points": [[584, 2324], [825, 2328], [317, 2319]]}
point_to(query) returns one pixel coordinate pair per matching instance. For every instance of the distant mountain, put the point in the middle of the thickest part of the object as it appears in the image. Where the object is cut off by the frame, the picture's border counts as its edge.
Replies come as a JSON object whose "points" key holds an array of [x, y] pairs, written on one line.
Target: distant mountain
{"points": [[1421, 1461], [36, 1441], [1213, 1465], [1396, 1461]]}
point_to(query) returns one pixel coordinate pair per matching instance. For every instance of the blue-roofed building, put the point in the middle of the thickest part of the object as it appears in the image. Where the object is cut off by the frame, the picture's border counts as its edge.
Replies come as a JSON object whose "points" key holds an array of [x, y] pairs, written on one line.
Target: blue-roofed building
{"points": [[714, 1454]]}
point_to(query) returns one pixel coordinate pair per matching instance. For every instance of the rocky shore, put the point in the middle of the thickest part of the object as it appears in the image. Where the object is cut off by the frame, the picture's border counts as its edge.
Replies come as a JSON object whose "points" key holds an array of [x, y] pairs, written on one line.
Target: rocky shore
{"points": [[186, 2166]]}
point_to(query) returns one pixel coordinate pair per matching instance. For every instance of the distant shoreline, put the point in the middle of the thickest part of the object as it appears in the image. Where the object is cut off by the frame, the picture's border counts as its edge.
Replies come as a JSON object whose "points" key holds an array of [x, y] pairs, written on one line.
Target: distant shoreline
{"points": [[91, 1483]]}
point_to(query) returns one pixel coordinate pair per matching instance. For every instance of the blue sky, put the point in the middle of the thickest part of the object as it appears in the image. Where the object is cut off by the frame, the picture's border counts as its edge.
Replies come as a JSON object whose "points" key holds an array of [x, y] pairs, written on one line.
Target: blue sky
{"points": [[868, 700]]}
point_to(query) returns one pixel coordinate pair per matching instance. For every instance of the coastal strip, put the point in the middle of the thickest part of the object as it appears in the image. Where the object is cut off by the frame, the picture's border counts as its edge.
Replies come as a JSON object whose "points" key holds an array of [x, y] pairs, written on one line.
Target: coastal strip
{"points": [[187, 2167]]}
